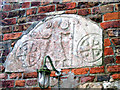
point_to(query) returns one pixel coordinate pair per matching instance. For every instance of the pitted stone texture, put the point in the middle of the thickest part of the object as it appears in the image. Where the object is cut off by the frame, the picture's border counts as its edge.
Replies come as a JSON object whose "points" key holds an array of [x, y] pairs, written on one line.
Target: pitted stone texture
{"points": [[67, 39]]}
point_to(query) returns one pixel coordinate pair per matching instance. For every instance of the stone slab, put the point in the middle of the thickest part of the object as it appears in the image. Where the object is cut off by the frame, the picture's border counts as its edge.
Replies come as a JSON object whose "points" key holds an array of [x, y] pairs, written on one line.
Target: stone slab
{"points": [[70, 40]]}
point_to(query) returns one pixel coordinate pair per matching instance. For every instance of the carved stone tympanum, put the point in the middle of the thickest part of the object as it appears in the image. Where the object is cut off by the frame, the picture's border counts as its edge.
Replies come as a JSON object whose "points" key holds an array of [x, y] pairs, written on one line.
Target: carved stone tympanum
{"points": [[70, 41]]}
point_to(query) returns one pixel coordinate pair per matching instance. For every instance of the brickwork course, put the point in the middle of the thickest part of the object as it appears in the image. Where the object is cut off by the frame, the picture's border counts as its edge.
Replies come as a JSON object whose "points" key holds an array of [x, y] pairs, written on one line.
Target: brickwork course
{"points": [[16, 18]]}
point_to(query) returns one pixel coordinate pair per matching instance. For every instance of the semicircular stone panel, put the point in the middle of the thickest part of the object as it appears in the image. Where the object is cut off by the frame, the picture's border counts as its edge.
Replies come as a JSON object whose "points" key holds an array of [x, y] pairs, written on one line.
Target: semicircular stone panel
{"points": [[70, 40]]}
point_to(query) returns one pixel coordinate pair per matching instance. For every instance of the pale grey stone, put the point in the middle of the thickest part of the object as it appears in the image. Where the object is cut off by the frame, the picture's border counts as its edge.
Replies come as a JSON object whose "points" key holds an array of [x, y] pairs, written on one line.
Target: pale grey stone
{"points": [[67, 39]]}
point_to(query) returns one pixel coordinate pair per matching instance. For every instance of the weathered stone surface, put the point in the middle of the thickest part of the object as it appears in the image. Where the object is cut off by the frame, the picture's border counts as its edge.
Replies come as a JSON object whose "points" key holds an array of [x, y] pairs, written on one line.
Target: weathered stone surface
{"points": [[67, 39]]}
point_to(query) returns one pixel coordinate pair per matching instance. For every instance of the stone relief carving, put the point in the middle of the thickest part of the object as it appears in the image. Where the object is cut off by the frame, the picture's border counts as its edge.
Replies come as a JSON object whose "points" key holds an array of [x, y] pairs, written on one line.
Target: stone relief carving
{"points": [[70, 41]]}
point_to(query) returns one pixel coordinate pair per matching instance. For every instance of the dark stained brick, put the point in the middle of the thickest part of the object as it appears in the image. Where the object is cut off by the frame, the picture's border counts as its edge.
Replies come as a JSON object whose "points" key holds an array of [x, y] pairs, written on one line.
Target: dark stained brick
{"points": [[8, 21], [84, 11], [7, 29], [35, 3], [101, 78], [108, 60], [7, 7], [45, 9], [7, 84]]}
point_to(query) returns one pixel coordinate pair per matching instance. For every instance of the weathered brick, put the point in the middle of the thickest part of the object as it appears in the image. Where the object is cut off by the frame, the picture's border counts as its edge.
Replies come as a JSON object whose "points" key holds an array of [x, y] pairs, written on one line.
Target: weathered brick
{"points": [[15, 75], [111, 16], [71, 11], [80, 71], [8, 21], [116, 41], [31, 11], [101, 78], [31, 82], [117, 7], [115, 68], [65, 71], [114, 32], [44, 2], [7, 29], [45, 9], [20, 83], [3, 76], [12, 36], [3, 15], [6, 52], [18, 13], [35, 3], [21, 27], [36, 18], [7, 84], [86, 79], [110, 24], [7, 7], [108, 51], [15, 6], [116, 76], [30, 75], [118, 59], [21, 20], [2, 68], [108, 60], [102, 9], [96, 18], [26, 5], [65, 6], [97, 70], [84, 11], [107, 42], [87, 4]]}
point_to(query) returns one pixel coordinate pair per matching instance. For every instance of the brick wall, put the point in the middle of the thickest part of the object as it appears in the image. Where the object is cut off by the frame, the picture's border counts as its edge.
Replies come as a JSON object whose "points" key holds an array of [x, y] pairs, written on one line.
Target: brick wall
{"points": [[16, 18]]}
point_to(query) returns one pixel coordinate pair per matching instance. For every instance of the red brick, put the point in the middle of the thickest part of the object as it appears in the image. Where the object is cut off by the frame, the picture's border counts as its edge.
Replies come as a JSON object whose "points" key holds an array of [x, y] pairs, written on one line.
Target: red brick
{"points": [[31, 11], [111, 16], [45, 9], [12, 36], [7, 7], [115, 68], [108, 51], [7, 29], [116, 41], [71, 11], [9, 21], [15, 75], [80, 71], [3, 76], [84, 11], [35, 3], [30, 75], [110, 24], [86, 79], [31, 82], [116, 76], [108, 60], [21, 27], [3, 15], [7, 84], [107, 42], [26, 5], [65, 71], [66, 6], [97, 70], [20, 83], [36, 18], [52, 74], [118, 59]]}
